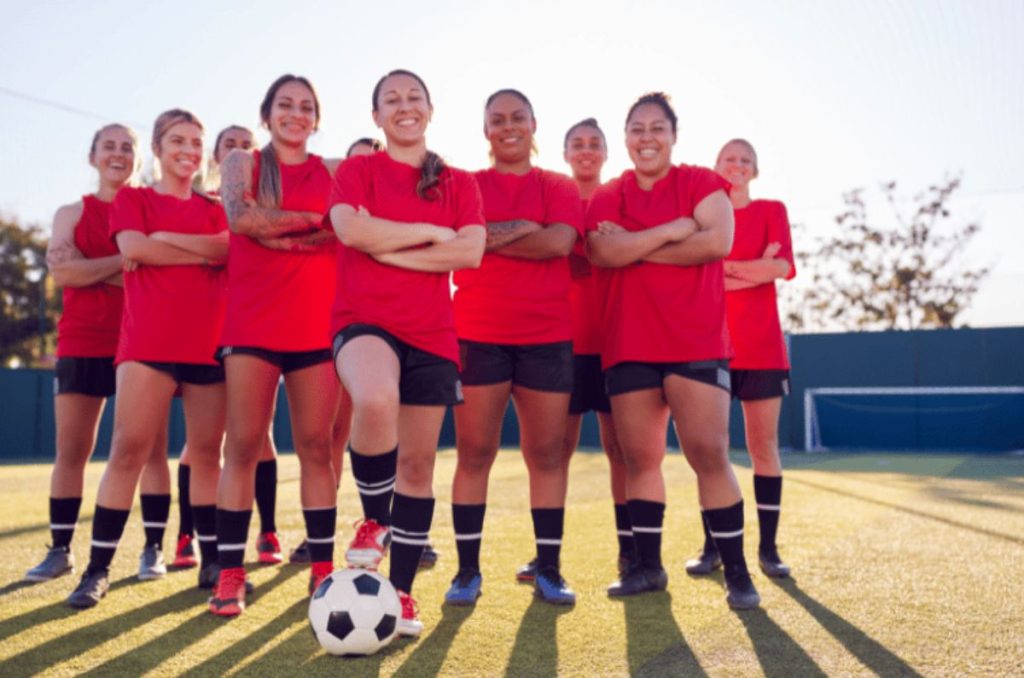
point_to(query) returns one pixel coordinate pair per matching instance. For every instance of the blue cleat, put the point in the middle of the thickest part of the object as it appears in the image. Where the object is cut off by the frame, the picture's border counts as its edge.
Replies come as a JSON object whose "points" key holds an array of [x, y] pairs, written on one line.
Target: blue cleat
{"points": [[551, 588], [465, 588]]}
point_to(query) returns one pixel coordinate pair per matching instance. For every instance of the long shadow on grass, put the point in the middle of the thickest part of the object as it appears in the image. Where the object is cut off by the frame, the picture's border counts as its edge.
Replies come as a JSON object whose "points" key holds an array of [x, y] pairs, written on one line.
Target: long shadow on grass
{"points": [[869, 651], [778, 653], [49, 613], [650, 627], [430, 653], [535, 652], [149, 655]]}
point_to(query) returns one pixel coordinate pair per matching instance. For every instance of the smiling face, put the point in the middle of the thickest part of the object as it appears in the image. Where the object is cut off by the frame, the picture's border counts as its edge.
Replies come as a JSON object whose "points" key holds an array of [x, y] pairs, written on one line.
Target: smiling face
{"points": [[231, 139], [403, 110], [586, 153], [649, 140], [113, 155], [293, 114], [180, 150], [737, 164], [509, 126]]}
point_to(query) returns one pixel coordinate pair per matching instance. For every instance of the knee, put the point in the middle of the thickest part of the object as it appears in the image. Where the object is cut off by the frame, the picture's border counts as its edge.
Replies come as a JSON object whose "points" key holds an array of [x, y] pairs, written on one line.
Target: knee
{"points": [[637, 461], [416, 470], [708, 457], [315, 446], [475, 456], [378, 408], [547, 460], [244, 446], [129, 451]]}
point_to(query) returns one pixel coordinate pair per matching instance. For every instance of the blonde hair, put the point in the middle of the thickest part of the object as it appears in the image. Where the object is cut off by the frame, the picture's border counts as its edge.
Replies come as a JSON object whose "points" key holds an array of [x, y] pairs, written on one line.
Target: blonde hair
{"points": [[164, 122], [742, 142]]}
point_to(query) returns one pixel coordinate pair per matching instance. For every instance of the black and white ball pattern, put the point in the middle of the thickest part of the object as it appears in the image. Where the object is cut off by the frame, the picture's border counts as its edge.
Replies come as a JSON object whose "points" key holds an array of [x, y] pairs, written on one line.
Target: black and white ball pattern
{"points": [[354, 612]]}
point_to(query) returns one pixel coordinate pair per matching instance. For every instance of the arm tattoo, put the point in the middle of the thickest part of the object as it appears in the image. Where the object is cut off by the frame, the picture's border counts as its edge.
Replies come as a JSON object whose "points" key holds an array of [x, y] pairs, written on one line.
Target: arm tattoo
{"points": [[62, 253], [501, 233], [236, 174]]}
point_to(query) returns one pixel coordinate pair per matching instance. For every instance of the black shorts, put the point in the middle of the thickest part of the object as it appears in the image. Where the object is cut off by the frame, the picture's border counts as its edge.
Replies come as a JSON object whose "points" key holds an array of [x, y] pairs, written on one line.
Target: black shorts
{"points": [[542, 367], [759, 384], [636, 376], [94, 377], [189, 373], [286, 361], [588, 386], [426, 379]]}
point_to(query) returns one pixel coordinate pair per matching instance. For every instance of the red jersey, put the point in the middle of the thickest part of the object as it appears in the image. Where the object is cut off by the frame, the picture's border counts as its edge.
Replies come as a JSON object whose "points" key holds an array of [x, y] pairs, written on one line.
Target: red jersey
{"points": [[171, 313], [585, 305], [509, 300], [281, 301], [414, 306], [91, 319], [659, 312], [753, 313]]}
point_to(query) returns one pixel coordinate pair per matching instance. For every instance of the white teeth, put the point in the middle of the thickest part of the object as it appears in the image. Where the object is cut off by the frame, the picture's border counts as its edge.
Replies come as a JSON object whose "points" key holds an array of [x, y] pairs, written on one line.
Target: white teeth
{"points": [[648, 153]]}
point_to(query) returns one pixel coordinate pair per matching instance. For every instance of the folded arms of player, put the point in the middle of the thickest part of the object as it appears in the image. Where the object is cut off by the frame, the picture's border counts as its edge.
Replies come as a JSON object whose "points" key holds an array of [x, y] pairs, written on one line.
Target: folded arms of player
{"points": [[741, 275], [361, 231], [553, 240], [69, 267], [138, 248], [464, 250]]}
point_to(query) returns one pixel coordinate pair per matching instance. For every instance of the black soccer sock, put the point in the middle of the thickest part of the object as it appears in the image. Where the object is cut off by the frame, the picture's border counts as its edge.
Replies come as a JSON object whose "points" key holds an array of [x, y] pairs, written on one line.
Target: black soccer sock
{"points": [[187, 525], [206, 532], [410, 532], [232, 532], [624, 530], [726, 525], [375, 480], [709, 541], [548, 525], [647, 518], [768, 495], [321, 525], [107, 528], [63, 516], [468, 520], [266, 494], [156, 508]]}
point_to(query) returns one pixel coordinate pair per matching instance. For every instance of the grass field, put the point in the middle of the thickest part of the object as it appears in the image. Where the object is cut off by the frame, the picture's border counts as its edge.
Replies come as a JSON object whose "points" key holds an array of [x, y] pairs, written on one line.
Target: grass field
{"points": [[903, 565]]}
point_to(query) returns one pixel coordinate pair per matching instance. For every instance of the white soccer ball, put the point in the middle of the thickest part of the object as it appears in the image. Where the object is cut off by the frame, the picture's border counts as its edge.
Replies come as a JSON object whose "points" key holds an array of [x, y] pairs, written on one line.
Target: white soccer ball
{"points": [[354, 612]]}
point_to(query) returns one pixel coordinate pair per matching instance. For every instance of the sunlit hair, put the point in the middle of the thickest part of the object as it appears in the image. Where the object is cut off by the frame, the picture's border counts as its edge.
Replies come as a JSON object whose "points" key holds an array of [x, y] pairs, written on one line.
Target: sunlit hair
{"points": [[511, 91], [659, 99], [375, 144], [433, 165], [166, 121], [137, 160], [742, 142], [268, 191], [588, 122], [220, 137]]}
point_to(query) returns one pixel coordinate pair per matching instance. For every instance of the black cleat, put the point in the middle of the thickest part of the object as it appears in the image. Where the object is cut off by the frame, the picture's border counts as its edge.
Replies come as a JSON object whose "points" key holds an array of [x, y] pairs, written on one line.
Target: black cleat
{"points": [[706, 562], [742, 594], [626, 563], [300, 554], [58, 562], [527, 573], [91, 589], [428, 558], [640, 579], [771, 564]]}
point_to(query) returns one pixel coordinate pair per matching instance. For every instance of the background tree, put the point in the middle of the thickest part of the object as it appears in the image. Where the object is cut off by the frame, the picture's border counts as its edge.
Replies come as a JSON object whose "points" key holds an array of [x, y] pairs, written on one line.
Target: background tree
{"points": [[28, 303], [909, 274]]}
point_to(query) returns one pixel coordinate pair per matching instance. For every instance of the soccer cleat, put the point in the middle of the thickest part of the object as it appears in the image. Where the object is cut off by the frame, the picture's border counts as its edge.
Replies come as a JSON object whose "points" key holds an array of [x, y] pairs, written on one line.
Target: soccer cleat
{"points": [[299, 554], [184, 553], [409, 623], [626, 563], [369, 545], [640, 579], [551, 588], [268, 549], [317, 573], [771, 564], [706, 562], [58, 562], [742, 594], [151, 563], [465, 588], [527, 573], [90, 589], [229, 597], [428, 558], [209, 574]]}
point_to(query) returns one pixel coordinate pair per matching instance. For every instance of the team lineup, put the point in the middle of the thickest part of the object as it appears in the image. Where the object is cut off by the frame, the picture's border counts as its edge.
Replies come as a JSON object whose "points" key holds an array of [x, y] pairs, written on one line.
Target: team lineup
{"points": [[646, 298]]}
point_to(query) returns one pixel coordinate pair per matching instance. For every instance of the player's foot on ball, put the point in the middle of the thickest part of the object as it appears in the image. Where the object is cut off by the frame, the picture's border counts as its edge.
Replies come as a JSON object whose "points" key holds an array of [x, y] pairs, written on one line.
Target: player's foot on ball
{"points": [[90, 589], [151, 563], [706, 562], [317, 573], [640, 579], [229, 597], [741, 592], [300, 554], [409, 623], [551, 588], [58, 562], [527, 573], [771, 563], [369, 545], [184, 553], [268, 549], [465, 588], [428, 558]]}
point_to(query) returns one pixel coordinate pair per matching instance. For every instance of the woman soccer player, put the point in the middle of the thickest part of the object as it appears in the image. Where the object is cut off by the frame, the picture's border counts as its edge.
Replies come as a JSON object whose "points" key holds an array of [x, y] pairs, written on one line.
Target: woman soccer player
{"points": [[658, 234], [86, 263], [405, 220], [280, 285], [174, 242], [762, 253], [515, 334]]}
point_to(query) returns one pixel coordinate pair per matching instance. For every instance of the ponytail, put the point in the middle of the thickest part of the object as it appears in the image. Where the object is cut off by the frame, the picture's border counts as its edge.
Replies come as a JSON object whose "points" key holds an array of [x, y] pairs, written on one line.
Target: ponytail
{"points": [[268, 191], [430, 176]]}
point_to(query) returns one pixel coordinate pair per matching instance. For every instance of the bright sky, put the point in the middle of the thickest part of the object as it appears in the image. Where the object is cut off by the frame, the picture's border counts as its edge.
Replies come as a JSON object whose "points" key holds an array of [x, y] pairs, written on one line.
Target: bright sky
{"points": [[834, 95]]}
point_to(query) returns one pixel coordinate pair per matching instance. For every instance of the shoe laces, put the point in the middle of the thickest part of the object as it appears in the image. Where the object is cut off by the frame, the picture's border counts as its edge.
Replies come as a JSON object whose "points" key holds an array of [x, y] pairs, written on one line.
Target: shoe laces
{"points": [[230, 581], [271, 539], [366, 529], [409, 608]]}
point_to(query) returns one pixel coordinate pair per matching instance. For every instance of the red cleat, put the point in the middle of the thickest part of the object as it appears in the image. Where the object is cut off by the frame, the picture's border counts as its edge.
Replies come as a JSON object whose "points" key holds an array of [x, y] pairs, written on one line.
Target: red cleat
{"points": [[369, 545], [268, 549], [185, 553], [229, 597], [317, 573]]}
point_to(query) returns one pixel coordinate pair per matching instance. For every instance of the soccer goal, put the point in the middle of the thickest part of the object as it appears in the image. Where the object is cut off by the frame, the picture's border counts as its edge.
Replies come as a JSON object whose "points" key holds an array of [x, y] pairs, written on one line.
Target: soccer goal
{"points": [[982, 418]]}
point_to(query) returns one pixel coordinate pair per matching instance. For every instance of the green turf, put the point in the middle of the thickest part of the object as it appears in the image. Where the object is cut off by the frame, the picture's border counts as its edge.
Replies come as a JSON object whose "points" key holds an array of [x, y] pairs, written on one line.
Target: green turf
{"points": [[903, 565]]}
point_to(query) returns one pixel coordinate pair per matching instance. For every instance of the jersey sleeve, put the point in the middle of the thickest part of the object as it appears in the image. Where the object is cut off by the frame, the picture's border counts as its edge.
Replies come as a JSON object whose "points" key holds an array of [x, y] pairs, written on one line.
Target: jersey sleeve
{"points": [[351, 184], [779, 231], [562, 203], [218, 218], [126, 212], [702, 182], [469, 203]]}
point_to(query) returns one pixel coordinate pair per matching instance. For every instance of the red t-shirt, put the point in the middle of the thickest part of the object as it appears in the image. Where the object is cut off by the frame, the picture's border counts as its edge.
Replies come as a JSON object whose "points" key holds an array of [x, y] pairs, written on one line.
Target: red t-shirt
{"points": [[753, 313], [509, 300], [659, 312], [414, 306], [171, 313], [91, 319], [279, 300], [585, 305]]}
